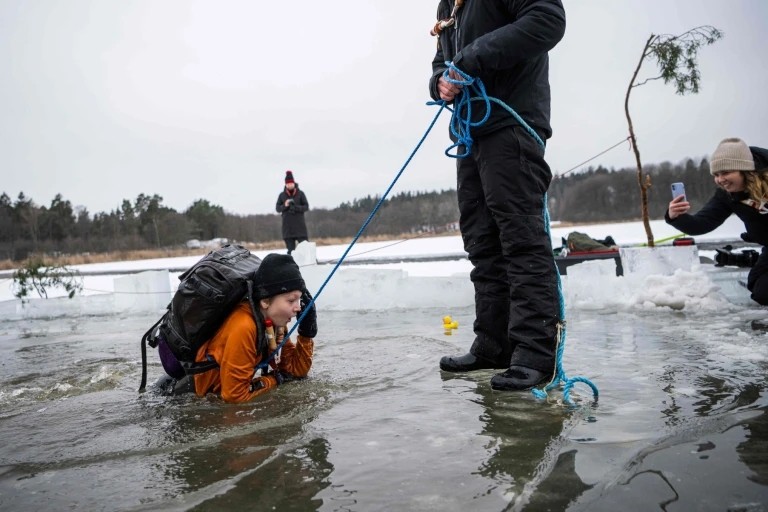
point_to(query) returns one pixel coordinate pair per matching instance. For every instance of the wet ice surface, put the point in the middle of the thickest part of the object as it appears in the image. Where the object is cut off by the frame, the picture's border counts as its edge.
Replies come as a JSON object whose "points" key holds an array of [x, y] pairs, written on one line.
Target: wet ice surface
{"points": [[680, 423]]}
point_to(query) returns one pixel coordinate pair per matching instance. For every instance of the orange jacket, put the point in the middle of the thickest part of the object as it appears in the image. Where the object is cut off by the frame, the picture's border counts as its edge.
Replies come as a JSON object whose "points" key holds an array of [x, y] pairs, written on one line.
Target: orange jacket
{"points": [[234, 349]]}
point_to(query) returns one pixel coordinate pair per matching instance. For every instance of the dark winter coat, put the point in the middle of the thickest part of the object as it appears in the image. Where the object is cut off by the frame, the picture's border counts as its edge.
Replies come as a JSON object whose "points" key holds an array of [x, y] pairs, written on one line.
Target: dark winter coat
{"points": [[722, 205], [497, 47], [760, 156], [293, 215]]}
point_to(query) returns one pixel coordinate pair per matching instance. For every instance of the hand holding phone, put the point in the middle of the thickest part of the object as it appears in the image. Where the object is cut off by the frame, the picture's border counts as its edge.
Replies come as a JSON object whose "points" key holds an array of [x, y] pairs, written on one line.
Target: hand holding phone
{"points": [[678, 189], [679, 204]]}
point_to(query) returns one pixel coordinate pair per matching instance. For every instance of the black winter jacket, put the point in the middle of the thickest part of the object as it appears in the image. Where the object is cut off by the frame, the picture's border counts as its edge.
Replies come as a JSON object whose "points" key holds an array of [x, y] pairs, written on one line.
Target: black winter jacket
{"points": [[293, 215], [719, 208], [722, 205], [505, 44]]}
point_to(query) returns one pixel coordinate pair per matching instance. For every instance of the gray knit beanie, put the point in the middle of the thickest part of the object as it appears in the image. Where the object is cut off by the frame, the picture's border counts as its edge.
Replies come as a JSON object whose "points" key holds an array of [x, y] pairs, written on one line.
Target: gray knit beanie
{"points": [[731, 154]]}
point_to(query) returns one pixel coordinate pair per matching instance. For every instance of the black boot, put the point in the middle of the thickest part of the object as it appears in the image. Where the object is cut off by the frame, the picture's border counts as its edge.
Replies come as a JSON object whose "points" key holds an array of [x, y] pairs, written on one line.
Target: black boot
{"points": [[467, 363], [518, 378]]}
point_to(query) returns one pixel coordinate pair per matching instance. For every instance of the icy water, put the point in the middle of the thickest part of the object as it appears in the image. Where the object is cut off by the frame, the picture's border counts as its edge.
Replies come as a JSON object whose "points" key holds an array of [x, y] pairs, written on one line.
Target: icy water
{"points": [[681, 423]]}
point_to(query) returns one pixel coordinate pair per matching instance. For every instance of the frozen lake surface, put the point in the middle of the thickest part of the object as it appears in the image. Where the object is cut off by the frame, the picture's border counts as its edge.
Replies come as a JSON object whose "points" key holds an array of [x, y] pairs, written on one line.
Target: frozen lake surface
{"points": [[681, 422]]}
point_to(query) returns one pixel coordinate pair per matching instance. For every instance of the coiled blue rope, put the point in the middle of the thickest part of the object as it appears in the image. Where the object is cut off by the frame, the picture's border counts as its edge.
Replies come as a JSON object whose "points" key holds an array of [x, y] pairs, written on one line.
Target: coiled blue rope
{"points": [[461, 124], [461, 118]]}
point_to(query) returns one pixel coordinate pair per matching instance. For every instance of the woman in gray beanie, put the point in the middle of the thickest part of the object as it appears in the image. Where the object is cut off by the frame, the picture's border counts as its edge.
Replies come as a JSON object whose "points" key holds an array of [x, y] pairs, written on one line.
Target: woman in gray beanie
{"points": [[741, 174]]}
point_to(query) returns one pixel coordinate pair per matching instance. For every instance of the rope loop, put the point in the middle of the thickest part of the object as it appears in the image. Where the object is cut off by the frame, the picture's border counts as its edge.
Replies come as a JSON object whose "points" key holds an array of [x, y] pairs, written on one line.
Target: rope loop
{"points": [[472, 89], [559, 375]]}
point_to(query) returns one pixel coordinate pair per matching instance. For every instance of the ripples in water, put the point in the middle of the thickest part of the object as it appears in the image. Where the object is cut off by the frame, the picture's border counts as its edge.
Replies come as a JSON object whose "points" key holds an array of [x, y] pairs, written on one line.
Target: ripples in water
{"points": [[680, 423]]}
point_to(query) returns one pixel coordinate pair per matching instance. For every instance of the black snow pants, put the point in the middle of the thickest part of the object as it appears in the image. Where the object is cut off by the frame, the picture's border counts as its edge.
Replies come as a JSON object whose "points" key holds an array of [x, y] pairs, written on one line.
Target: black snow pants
{"points": [[501, 188]]}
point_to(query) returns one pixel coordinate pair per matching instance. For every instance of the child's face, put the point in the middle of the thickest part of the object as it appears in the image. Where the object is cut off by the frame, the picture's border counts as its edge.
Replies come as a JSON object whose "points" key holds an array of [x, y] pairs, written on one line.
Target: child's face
{"points": [[283, 307]]}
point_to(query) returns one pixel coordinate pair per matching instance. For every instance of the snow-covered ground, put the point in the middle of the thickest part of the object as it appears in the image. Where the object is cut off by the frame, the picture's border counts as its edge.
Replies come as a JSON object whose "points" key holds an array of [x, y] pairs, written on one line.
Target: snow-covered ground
{"points": [[391, 278]]}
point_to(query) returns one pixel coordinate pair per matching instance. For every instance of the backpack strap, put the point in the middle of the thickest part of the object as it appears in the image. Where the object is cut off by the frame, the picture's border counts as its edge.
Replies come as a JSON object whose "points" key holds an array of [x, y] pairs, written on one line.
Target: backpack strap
{"points": [[210, 364], [202, 367], [261, 342], [149, 337]]}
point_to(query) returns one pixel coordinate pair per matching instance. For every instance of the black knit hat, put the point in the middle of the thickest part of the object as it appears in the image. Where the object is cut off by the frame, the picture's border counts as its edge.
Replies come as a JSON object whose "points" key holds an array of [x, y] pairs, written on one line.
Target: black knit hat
{"points": [[289, 177], [277, 274]]}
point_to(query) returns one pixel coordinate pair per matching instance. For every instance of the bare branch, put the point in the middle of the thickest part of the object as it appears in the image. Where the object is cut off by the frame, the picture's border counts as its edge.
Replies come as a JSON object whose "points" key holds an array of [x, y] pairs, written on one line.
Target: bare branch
{"points": [[648, 80], [675, 56]]}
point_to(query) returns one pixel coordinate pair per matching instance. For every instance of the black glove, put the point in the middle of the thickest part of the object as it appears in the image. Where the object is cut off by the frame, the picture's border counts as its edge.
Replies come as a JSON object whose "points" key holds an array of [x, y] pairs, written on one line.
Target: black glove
{"points": [[308, 326], [747, 238]]}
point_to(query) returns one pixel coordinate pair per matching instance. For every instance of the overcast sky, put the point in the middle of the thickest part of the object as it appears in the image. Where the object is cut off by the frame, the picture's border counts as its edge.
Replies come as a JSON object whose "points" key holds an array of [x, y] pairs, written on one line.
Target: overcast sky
{"points": [[103, 100]]}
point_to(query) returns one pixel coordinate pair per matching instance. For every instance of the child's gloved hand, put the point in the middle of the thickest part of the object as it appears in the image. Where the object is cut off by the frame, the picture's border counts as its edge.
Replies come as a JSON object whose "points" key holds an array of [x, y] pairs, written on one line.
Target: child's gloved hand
{"points": [[308, 325]]}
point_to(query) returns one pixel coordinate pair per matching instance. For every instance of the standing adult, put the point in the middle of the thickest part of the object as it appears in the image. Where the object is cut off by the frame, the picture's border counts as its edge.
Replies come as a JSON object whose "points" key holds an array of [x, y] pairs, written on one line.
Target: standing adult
{"points": [[741, 175], [502, 183], [291, 204]]}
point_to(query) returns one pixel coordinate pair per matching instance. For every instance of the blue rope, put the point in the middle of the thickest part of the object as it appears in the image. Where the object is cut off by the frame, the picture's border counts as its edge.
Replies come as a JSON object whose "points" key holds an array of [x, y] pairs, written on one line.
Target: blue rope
{"points": [[461, 124], [560, 376], [461, 115], [263, 365], [461, 118]]}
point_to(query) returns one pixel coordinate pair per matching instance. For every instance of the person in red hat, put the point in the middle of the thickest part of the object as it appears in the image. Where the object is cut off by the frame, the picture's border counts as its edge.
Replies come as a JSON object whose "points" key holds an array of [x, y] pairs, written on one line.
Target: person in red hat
{"points": [[291, 204]]}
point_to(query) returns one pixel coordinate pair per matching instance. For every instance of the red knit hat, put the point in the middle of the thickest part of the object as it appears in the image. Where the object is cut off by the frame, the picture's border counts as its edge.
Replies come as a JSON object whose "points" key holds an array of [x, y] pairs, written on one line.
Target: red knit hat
{"points": [[289, 177]]}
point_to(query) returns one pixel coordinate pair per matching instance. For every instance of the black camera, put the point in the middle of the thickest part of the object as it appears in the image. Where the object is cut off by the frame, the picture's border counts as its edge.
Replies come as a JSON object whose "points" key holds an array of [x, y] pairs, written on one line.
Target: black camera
{"points": [[725, 257]]}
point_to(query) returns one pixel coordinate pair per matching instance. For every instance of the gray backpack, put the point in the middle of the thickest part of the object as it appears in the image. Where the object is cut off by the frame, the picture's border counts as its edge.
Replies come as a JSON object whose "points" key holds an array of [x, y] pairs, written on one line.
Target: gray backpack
{"points": [[207, 293]]}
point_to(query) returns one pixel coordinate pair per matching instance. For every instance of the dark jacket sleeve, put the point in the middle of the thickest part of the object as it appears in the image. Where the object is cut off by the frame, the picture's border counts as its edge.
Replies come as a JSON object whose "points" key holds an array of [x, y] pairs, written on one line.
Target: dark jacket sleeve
{"points": [[301, 204], [438, 68], [296, 358], [280, 205], [712, 215], [539, 26], [438, 62]]}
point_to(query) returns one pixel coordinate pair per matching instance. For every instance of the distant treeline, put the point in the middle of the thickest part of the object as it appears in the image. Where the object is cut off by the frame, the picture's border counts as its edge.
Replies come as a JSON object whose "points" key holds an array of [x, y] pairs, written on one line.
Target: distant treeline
{"points": [[600, 195], [146, 223], [596, 195]]}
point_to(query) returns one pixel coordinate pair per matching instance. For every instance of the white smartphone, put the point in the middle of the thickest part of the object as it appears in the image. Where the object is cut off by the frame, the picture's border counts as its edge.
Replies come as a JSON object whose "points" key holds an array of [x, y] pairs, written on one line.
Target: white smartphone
{"points": [[678, 189]]}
